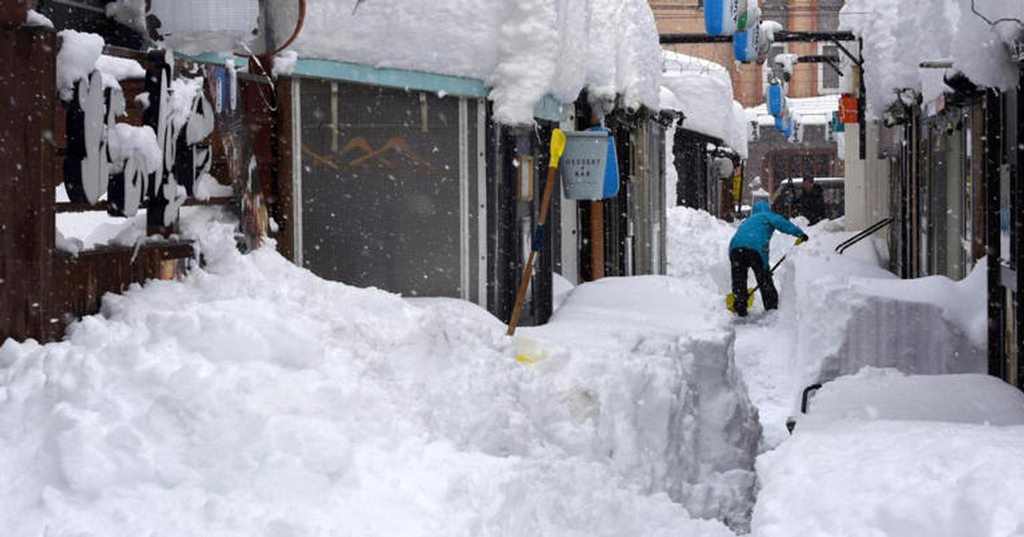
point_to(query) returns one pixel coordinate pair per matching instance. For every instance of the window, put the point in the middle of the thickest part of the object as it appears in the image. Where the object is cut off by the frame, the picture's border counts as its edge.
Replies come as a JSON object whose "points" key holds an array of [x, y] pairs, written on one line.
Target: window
{"points": [[828, 79]]}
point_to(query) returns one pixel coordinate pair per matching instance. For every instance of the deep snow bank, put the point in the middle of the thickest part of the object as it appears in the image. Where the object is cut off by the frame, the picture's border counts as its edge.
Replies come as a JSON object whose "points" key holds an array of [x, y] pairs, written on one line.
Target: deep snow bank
{"points": [[850, 313], [254, 399], [889, 394], [649, 360], [523, 49], [893, 478], [883, 453]]}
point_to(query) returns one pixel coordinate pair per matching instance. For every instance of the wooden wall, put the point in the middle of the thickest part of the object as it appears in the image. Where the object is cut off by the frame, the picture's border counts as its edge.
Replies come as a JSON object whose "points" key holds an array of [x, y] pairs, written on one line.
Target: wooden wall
{"points": [[41, 289], [27, 79]]}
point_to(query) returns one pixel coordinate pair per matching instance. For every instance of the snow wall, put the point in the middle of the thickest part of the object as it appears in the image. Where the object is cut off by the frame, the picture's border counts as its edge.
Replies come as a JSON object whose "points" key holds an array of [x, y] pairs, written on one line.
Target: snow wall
{"points": [[850, 313], [664, 393]]}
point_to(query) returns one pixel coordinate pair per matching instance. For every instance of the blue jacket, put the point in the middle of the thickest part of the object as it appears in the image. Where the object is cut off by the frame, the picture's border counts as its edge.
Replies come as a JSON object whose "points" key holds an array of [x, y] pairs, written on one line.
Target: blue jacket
{"points": [[756, 231]]}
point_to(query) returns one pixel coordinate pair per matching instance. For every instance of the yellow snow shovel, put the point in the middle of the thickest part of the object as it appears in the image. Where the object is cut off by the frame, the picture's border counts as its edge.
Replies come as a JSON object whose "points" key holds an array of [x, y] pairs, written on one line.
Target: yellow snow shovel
{"points": [[557, 148]]}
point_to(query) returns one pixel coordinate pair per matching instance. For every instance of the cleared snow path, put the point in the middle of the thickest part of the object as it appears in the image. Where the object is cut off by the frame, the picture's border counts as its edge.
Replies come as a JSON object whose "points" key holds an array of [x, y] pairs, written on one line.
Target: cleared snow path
{"points": [[838, 313]]}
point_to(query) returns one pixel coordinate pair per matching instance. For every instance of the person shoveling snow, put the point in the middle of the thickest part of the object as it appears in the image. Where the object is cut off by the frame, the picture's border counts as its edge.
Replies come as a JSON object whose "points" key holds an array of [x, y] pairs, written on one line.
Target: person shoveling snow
{"points": [[748, 249]]}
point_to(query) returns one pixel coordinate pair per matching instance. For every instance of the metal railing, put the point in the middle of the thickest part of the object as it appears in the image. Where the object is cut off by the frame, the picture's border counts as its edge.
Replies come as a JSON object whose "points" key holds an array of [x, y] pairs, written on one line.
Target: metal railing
{"points": [[843, 246]]}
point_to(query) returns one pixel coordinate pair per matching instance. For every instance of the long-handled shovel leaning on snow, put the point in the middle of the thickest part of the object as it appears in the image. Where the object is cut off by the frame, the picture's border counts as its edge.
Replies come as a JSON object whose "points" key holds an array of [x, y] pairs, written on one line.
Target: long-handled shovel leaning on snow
{"points": [[557, 148], [730, 299]]}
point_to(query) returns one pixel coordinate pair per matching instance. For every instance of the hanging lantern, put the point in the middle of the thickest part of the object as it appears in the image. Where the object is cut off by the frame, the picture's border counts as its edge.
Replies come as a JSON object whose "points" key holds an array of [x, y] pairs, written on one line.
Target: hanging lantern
{"points": [[776, 96], [848, 112], [725, 17], [746, 43]]}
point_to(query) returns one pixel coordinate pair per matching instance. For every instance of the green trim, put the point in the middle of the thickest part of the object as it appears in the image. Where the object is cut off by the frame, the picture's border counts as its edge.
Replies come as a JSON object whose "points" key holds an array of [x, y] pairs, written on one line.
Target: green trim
{"points": [[391, 78], [548, 108]]}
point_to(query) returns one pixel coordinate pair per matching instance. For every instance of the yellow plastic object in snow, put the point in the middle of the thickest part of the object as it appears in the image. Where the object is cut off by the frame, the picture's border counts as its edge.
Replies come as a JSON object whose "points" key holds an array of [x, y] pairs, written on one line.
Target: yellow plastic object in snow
{"points": [[557, 147], [528, 351]]}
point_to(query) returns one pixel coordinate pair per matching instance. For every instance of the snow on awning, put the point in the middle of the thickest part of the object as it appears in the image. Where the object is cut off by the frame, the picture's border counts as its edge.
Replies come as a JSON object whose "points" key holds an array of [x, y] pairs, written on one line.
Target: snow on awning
{"points": [[702, 91], [898, 36], [522, 51]]}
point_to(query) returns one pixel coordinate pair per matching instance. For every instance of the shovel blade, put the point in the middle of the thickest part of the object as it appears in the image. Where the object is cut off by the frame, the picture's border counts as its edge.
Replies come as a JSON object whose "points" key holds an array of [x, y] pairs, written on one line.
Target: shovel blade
{"points": [[730, 300]]}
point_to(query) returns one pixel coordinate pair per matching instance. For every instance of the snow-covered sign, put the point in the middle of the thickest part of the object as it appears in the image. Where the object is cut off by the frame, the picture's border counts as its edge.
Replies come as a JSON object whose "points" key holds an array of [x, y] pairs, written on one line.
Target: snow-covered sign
{"points": [[85, 164], [140, 166]]}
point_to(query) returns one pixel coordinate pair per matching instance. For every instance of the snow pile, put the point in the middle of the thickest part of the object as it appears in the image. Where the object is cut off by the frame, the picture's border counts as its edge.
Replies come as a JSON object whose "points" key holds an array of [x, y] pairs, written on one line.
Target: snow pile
{"points": [[900, 35], [70, 245], [86, 230], [893, 478], [184, 91], [76, 59], [34, 18], [120, 68], [522, 50], [888, 394], [646, 364], [849, 313], [207, 187], [253, 398], [702, 91], [921, 456], [125, 140], [698, 247], [284, 63]]}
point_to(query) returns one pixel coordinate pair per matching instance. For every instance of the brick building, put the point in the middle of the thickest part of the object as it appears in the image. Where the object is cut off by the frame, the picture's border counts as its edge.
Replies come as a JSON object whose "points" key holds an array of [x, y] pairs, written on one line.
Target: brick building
{"points": [[772, 157], [687, 16]]}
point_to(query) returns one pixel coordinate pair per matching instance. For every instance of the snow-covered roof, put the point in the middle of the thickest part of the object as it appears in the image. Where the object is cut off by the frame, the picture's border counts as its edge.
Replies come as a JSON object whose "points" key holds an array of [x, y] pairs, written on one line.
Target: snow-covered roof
{"points": [[702, 91], [898, 36], [805, 111], [522, 50]]}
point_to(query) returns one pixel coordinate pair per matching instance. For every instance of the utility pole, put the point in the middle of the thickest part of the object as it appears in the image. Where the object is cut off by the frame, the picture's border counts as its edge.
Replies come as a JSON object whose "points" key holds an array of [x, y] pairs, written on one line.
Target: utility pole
{"points": [[266, 27]]}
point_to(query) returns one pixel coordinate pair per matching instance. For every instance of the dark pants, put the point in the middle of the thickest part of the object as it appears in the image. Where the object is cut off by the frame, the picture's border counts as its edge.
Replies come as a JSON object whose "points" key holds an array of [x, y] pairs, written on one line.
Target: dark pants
{"points": [[742, 259]]}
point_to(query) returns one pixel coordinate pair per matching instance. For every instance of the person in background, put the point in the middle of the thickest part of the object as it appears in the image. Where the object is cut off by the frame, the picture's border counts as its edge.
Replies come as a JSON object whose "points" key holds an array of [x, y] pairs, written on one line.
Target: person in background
{"points": [[812, 201], [748, 249]]}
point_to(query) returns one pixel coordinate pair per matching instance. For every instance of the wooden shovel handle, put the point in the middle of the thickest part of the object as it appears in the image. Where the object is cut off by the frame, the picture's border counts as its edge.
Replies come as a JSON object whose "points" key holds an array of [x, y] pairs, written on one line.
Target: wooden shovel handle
{"points": [[524, 284]]}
